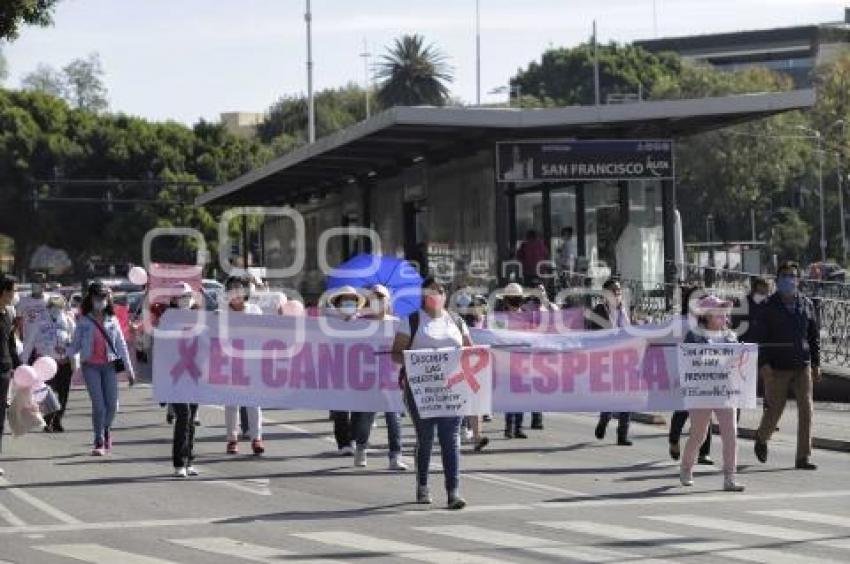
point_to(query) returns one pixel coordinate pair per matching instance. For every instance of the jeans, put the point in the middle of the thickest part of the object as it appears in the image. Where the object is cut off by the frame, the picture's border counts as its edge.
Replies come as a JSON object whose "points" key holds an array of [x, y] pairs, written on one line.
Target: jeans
{"points": [[353, 426], [61, 384], [4, 392], [677, 422], [184, 434], [700, 425], [623, 420], [393, 432], [102, 385], [255, 422]]}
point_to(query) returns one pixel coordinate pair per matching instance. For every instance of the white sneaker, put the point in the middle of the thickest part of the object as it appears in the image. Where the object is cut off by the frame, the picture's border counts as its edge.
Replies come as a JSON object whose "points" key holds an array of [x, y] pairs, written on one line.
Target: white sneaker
{"points": [[346, 451], [467, 435], [360, 457], [730, 485], [192, 471], [396, 463], [1, 472], [687, 478], [180, 473]]}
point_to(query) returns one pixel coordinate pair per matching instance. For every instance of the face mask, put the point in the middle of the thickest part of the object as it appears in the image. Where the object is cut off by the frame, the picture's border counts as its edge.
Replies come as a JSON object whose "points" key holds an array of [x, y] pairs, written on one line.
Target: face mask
{"points": [[759, 298], [184, 302], [786, 285], [348, 308], [99, 305], [434, 301], [464, 300], [16, 299]]}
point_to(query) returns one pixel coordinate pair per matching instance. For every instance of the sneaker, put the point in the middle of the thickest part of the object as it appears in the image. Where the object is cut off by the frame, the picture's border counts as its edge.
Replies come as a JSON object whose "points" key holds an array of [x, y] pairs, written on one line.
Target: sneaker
{"points": [[509, 434], [180, 473], [730, 485], [347, 450], [2, 472], [258, 447], [232, 447], [192, 471], [805, 464], [396, 463], [675, 452], [455, 502], [98, 450], [519, 434], [600, 430], [467, 435], [197, 422], [537, 424], [482, 442], [486, 418], [687, 478], [705, 461], [623, 441], [761, 451], [57, 427], [423, 495], [360, 457]]}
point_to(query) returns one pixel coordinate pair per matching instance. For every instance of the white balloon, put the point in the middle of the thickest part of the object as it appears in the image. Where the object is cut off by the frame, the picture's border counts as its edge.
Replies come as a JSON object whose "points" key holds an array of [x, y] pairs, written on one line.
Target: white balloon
{"points": [[138, 276], [45, 367]]}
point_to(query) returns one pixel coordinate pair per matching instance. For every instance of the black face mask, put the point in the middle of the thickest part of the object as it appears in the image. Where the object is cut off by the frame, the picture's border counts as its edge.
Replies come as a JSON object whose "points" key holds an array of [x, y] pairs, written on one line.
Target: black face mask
{"points": [[514, 303]]}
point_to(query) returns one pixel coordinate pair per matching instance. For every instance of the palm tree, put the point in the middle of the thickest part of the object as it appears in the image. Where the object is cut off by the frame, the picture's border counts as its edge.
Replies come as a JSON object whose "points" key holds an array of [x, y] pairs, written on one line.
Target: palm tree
{"points": [[413, 74]]}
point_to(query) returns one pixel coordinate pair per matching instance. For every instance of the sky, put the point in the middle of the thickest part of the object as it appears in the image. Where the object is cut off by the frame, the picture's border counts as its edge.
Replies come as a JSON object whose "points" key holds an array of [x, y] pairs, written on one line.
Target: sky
{"points": [[189, 59]]}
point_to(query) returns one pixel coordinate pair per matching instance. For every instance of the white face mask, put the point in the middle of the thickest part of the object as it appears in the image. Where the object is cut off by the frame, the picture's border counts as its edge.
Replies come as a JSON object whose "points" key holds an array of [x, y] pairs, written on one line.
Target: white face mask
{"points": [[348, 308], [464, 301], [185, 302], [759, 298]]}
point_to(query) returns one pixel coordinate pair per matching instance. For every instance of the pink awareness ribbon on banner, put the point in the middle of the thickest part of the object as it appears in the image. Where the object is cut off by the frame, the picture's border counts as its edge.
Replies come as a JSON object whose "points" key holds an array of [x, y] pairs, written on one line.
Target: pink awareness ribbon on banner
{"points": [[188, 350], [468, 368]]}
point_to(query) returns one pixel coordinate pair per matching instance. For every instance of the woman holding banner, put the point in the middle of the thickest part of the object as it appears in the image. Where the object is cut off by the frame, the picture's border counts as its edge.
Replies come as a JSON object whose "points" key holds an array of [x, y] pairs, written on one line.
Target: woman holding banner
{"points": [[713, 328], [433, 327], [238, 290]]}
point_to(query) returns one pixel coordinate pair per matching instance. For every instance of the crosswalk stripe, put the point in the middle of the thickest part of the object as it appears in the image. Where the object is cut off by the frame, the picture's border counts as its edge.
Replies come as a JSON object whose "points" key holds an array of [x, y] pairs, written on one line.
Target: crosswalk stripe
{"points": [[247, 551], [42, 506], [13, 520], [96, 554], [755, 529], [536, 545], [678, 543], [808, 517], [524, 484], [399, 549]]}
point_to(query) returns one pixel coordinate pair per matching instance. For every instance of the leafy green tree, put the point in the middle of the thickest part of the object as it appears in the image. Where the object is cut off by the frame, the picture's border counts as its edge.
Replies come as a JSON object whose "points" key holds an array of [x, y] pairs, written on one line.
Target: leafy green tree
{"points": [[4, 68], [789, 234], [45, 79], [412, 73], [85, 87], [13, 13]]}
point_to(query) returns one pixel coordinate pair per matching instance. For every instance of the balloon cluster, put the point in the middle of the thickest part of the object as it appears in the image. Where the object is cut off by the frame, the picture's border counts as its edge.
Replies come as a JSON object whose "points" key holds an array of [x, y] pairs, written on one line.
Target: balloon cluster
{"points": [[42, 370]]}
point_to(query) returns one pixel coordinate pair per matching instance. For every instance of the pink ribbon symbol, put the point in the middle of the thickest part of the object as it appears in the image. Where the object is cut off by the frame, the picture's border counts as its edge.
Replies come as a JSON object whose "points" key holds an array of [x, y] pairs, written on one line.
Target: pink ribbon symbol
{"points": [[468, 368], [739, 364], [188, 351]]}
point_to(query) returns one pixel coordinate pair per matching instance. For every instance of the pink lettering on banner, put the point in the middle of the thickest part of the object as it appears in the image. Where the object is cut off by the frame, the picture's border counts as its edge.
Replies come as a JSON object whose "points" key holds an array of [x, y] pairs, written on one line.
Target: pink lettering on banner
{"points": [[274, 376], [388, 372], [546, 380], [303, 371], [331, 365], [188, 351], [655, 369], [218, 361], [626, 367], [519, 367], [238, 376], [598, 367], [572, 364], [359, 378]]}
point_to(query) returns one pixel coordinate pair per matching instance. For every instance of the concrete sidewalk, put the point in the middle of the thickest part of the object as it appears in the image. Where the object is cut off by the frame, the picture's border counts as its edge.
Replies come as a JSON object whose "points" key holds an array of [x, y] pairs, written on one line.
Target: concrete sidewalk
{"points": [[831, 424]]}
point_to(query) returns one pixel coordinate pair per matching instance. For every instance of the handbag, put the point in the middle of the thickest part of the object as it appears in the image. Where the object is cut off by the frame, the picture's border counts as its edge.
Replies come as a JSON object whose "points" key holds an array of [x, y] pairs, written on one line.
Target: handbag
{"points": [[48, 401], [118, 363]]}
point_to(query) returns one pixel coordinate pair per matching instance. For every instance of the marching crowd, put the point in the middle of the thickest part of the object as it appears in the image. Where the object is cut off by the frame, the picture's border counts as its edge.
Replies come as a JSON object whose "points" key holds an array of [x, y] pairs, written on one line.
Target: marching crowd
{"points": [[90, 336]]}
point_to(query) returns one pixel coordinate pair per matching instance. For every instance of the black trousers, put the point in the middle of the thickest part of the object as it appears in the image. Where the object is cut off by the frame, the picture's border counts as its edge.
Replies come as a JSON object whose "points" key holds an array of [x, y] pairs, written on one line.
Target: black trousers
{"points": [[624, 418], [182, 449], [352, 426], [677, 422], [4, 391], [61, 384], [513, 421]]}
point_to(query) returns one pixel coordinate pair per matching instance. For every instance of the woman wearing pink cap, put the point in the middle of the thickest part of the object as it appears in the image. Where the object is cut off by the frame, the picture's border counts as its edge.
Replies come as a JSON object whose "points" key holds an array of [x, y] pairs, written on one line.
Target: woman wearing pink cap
{"points": [[713, 327]]}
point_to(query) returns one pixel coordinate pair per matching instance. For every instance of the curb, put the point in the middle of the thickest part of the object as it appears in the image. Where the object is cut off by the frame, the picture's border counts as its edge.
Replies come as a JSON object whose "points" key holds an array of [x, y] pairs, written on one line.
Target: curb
{"points": [[820, 443]]}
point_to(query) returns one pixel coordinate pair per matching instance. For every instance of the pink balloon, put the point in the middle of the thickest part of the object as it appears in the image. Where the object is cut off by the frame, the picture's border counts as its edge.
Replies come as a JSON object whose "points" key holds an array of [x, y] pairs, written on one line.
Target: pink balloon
{"points": [[293, 308], [25, 376], [138, 276], [45, 367]]}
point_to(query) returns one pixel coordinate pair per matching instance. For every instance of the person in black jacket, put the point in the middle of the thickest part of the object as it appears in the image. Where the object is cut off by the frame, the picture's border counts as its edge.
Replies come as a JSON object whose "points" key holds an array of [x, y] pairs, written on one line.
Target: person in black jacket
{"points": [[8, 347], [610, 314], [789, 339]]}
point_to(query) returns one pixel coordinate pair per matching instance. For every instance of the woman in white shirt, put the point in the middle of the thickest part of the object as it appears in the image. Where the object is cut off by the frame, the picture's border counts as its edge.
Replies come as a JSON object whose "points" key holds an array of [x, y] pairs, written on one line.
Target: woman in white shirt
{"points": [[433, 327]]}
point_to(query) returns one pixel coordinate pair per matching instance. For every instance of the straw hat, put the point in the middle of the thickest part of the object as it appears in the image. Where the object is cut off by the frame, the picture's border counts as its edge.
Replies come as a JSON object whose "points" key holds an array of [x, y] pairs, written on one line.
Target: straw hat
{"points": [[346, 291], [513, 290], [381, 290]]}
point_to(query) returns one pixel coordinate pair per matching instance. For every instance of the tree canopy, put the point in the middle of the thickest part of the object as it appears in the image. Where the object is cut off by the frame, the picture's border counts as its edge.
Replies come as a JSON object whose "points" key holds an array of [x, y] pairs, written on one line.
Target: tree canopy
{"points": [[13, 13], [412, 73]]}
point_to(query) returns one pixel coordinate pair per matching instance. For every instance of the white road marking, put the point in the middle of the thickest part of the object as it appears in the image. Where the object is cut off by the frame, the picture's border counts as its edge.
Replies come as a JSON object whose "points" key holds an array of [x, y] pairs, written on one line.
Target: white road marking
{"points": [[523, 483], [97, 554], [42, 506], [7, 515], [113, 525], [247, 551], [755, 529], [808, 517], [536, 545], [393, 548], [256, 486], [678, 544]]}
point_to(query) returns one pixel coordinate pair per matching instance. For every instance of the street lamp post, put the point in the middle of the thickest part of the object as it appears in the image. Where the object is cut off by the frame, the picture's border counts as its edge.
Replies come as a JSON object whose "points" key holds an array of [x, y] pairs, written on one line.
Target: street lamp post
{"points": [[477, 53], [819, 140], [311, 107], [368, 83]]}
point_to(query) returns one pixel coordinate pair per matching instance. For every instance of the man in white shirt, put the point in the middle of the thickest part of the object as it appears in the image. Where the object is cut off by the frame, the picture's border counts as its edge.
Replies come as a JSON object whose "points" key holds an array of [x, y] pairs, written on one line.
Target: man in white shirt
{"points": [[32, 309]]}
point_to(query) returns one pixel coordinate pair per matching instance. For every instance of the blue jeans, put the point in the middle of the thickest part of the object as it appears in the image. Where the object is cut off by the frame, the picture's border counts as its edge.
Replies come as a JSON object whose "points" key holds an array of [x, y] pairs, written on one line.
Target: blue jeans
{"points": [[393, 432], [448, 432], [102, 385]]}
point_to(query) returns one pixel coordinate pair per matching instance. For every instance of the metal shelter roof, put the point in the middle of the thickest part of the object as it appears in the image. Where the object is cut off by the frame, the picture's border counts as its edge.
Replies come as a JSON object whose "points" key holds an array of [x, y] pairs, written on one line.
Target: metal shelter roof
{"points": [[394, 139]]}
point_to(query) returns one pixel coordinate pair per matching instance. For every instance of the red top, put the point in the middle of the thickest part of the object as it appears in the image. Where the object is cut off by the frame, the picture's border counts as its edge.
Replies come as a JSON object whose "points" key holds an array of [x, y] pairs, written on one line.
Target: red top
{"points": [[530, 254], [98, 353]]}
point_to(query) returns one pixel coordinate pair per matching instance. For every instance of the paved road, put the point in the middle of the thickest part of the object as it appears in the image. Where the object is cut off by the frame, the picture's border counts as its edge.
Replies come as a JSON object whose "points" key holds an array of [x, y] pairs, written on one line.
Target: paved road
{"points": [[558, 496]]}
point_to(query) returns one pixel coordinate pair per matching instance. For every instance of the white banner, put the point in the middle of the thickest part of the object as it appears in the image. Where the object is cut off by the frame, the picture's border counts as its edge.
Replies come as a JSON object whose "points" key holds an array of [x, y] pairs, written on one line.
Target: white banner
{"points": [[327, 363], [718, 375], [450, 382]]}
